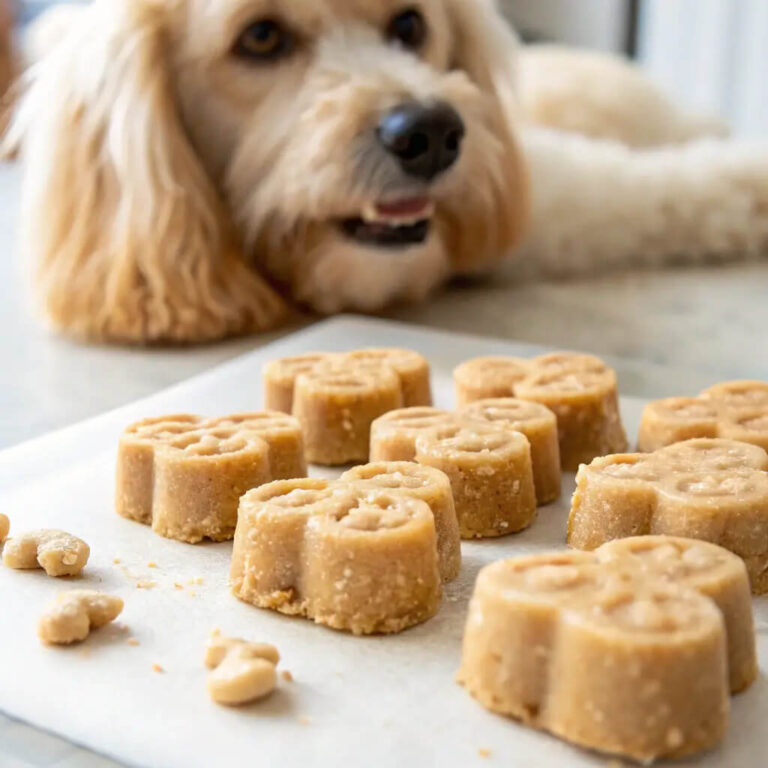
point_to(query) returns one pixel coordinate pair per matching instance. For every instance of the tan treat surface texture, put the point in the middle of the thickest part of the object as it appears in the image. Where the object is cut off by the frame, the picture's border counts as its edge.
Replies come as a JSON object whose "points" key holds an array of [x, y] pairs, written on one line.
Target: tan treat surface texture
{"points": [[491, 475], [710, 489], [337, 396], [365, 561], [736, 410], [184, 474], [581, 390], [631, 649]]}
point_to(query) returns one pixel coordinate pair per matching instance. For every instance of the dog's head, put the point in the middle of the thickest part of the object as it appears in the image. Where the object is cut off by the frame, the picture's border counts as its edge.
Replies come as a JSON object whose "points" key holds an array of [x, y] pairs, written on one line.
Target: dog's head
{"points": [[351, 152]]}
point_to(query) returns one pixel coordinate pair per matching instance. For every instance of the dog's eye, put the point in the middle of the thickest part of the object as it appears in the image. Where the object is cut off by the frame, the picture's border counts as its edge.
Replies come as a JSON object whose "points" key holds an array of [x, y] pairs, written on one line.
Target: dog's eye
{"points": [[264, 40], [408, 29]]}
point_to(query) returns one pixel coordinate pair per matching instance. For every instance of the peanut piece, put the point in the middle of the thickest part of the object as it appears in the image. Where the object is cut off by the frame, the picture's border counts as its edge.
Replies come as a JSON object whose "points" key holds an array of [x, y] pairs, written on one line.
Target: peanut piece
{"points": [[242, 671], [5, 526], [58, 553], [74, 614]]}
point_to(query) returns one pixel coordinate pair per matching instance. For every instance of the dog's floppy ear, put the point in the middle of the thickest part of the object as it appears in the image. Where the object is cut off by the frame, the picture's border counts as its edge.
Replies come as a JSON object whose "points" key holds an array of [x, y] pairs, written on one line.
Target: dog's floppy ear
{"points": [[485, 47], [128, 236]]}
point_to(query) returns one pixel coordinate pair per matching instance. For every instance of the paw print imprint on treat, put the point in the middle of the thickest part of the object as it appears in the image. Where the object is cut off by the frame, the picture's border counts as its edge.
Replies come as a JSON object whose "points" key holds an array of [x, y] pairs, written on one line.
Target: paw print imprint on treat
{"points": [[735, 410], [394, 436], [710, 489], [581, 390], [490, 472], [336, 396], [631, 649], [363, 554], [242, 672], [184, 474], [74, 614], [58, 553]]}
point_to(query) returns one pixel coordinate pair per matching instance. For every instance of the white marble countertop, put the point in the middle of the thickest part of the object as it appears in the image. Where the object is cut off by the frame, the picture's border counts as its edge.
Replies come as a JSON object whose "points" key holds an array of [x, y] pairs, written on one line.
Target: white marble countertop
{"points": [[674, 332]]}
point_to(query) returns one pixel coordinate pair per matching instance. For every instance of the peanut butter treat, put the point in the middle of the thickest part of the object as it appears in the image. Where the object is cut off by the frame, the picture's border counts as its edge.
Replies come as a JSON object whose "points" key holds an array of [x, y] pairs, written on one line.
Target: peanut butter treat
{"points": [[199, 478], [737, 410], [136, 461], [631, 649], [280, 376], [5, 526], [580, 389], [490, 473], [58, 553], [411, 367], [183, 474], [280, 432], [74, 614], [420, 482], [242, 672], [710, 489], [393, 435], [336, 407], [366, 563], [539, 425]]}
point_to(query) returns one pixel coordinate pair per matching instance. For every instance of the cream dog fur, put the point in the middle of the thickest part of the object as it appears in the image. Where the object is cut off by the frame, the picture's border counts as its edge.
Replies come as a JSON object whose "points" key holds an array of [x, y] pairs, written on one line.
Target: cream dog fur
{"points": [[182, 184]]}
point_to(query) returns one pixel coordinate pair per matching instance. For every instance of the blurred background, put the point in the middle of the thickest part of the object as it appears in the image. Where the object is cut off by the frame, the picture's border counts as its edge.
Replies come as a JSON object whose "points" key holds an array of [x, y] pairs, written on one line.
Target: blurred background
{"points": [[708, 54]]}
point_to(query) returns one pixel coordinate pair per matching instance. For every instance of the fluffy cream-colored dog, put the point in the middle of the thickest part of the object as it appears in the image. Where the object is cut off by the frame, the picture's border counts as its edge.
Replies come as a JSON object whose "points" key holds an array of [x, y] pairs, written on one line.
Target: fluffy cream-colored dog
{"points": [[193, 167]]}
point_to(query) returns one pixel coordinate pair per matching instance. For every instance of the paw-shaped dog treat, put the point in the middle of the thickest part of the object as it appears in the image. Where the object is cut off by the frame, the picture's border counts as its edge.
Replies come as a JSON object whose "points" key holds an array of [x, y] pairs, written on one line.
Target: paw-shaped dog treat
{"points": [[280, 377], [242, 672], [539, 424], [631, 649], [337, 396], [737, 410], [74, 614], [420, 482], [580, 389], [184, 474], [58, 553], [5, 526], [393, 435], [490, 473], [715, 490], [336, 407], [362, 562]]}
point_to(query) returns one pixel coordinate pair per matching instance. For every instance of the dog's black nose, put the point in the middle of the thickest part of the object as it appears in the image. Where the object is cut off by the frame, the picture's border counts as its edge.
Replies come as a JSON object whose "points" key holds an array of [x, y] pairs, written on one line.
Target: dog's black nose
{"points": [[425, 138]]}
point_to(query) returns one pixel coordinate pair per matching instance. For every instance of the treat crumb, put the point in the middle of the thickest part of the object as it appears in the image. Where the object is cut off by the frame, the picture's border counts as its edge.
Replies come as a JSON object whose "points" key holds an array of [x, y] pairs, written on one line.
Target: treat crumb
{"points": [[287, 676], [132, 641], [116, 560], [484, 752], [151, 564], [145, 584], [304, 720], [192, 593], [157, 668], [176, 585]]}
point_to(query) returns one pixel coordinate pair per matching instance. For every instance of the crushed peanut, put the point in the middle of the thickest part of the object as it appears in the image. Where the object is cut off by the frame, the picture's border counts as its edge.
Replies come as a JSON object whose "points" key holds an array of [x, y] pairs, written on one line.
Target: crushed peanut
{"points": [[74, 614], [58, 553], [242, 671]]}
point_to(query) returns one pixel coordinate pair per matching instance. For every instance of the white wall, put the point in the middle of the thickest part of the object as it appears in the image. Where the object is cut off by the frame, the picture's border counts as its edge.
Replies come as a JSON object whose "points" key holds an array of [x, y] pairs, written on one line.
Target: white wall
{"points": [[712, 55], [594, 23]]}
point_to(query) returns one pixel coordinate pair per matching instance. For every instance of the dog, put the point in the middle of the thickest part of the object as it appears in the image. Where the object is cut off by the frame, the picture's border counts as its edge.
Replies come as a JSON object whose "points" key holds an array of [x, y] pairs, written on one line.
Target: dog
{"points": [[195, 168]]}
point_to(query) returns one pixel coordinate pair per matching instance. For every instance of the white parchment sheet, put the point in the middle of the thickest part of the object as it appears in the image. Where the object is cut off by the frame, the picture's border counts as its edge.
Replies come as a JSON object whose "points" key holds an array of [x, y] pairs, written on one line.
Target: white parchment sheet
{"points": [[357, 702]]}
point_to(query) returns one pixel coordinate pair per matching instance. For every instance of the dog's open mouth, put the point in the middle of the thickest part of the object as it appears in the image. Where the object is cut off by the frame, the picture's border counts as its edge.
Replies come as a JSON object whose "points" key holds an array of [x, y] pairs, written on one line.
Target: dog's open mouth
{"points": [[393, 224]]}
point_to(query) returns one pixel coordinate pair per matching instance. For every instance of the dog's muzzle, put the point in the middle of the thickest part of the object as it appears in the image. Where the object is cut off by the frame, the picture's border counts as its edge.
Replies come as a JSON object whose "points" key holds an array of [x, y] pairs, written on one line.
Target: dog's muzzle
{"points": [[426, 141]]}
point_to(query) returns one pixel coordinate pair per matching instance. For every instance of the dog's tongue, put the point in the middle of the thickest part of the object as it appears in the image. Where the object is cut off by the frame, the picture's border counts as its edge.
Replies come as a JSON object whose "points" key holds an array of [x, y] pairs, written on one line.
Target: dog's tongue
{"points": [[406, 207]]}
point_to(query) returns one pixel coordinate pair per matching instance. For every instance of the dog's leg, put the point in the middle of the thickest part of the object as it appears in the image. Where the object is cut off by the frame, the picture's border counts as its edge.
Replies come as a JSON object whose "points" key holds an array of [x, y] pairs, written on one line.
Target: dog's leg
{"points": [[598, 205]]}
